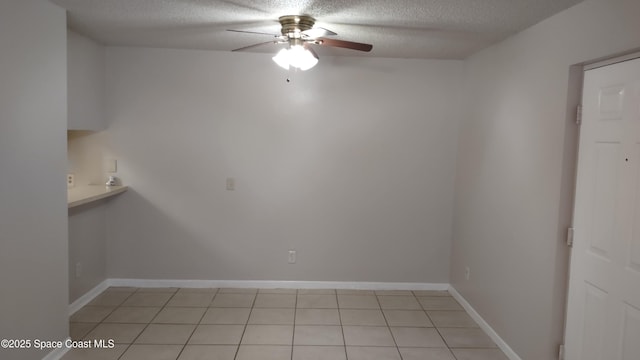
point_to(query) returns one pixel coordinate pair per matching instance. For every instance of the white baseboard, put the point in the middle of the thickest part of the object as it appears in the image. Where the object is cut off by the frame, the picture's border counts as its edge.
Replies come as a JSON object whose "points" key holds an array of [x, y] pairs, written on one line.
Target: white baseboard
{"points": [[87, 297], [56, 354], [268, 284], [484, 325]]}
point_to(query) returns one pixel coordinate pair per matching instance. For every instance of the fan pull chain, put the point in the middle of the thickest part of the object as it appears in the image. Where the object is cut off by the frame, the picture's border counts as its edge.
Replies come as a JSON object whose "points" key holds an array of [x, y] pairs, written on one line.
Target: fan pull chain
{"points": [[292, 72]]}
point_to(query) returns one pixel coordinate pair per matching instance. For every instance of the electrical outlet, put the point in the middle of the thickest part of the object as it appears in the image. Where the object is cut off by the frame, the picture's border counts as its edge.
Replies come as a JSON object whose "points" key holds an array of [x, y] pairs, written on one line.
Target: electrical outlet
{"points": [[78, 270], [467, 273], [231, 184], [71, 181], [292, 256]]}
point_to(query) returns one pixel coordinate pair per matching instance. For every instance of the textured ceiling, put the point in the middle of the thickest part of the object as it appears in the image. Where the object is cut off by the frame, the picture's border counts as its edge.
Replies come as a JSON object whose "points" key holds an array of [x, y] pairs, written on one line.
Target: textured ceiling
{"points": [[440, 29]]}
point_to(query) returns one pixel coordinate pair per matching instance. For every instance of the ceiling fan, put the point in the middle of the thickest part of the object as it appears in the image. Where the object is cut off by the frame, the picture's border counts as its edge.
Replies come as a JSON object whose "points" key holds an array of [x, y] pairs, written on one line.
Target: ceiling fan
{"points": [[298, 33]]}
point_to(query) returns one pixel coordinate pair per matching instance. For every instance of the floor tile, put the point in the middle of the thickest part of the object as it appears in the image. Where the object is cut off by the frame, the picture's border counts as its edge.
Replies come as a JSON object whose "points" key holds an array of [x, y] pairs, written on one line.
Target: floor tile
{"points": [[466, 338], [91, 314], [439, 303], [318, 335], [431, 293], [251, 324], [264, 352], [426, 354], [78, 330], [358, 302], [237, 291], [275, 301], [371, 353], [95, 354], [417, 337], [479, 354], [208, 352], [111, 298], [367, 336], [226, 316], [415, 318], [155, 352], [278, 291], [195, 299], [394, 292], [147, 299], [233, 300], [316, 292], [165, 334], [179, 315], [317, 317], [217, 335], [451, 319], [362, 317], [319, 353], [133, 315], [317, 301], [120, 333], [268, 316], [268, 335], [400, 302]]}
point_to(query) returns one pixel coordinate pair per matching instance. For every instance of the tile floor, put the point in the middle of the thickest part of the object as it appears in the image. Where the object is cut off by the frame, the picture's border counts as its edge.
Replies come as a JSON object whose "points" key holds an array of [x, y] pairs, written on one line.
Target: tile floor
{"points": [[275, 324]]}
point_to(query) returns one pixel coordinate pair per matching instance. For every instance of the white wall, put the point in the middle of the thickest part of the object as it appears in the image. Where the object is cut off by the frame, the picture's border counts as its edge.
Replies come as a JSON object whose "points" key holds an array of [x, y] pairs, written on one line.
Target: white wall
{"points": [[33, 209], [516, 159], [351, 164]]}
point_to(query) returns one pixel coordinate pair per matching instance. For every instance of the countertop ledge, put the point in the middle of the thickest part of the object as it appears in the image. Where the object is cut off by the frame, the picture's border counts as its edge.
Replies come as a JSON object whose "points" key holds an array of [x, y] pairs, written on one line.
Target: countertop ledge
{"points": [[86, 194]]}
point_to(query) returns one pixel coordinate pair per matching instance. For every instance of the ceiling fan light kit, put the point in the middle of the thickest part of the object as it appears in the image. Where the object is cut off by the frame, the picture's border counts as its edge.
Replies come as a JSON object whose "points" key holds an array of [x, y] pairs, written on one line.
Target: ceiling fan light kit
{"points": [[299, 34]]}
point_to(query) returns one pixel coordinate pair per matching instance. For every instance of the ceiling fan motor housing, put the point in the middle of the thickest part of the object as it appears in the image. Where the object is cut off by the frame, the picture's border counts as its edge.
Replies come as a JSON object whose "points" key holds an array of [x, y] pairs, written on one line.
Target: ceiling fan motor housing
{"points": [[298, 31], [294, 25]]}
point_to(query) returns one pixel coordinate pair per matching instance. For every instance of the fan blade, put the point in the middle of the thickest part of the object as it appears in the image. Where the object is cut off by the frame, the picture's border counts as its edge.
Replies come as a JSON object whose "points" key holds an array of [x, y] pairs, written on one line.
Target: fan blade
{"points": [[344, 44], [256, 45], [318, 32], [253, 32]]}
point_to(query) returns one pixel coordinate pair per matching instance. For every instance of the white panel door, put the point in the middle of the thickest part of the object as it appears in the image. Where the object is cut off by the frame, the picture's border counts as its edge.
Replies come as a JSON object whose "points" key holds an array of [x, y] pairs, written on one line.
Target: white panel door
{"points": [[603, 315]]}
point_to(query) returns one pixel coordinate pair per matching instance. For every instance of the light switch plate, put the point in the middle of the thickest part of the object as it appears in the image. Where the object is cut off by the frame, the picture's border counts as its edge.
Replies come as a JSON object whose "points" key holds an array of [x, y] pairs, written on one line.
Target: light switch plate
{"points": [[111, 165]]}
